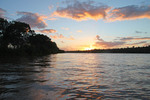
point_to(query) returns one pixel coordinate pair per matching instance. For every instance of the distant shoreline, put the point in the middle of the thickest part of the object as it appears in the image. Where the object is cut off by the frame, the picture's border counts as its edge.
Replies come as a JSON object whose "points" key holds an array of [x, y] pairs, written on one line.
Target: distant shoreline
{"points": [[104, 53], [116, 50]]}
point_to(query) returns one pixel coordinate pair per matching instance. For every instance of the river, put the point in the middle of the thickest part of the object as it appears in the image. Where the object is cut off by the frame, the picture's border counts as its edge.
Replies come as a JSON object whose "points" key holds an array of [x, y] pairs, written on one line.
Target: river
{"points": [[78, 76]]}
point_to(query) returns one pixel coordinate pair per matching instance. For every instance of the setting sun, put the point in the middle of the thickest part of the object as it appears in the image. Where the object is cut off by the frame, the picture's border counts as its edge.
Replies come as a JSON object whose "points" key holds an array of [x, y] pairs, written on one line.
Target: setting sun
{"points": [[88, 48]]}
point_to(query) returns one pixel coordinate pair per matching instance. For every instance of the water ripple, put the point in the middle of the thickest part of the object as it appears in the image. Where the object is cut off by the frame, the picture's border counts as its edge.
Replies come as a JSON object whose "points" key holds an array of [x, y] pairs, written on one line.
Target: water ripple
{"points": [[75, 76]]}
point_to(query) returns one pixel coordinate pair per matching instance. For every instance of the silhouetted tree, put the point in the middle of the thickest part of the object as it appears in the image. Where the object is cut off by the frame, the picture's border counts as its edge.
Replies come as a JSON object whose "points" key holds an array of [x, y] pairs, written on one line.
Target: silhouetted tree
{"points": [[43, 44], [15, 32], [3, 25], [23, 40]]}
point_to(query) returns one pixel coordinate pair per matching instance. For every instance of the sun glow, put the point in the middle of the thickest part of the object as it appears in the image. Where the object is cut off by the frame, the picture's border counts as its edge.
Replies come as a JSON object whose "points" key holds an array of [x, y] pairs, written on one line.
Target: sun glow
{"points": [[88, 48]]}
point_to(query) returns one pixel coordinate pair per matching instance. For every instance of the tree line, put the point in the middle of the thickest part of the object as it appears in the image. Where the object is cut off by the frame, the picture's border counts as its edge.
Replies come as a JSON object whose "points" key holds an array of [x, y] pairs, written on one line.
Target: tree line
{"points": [[145, 49]]}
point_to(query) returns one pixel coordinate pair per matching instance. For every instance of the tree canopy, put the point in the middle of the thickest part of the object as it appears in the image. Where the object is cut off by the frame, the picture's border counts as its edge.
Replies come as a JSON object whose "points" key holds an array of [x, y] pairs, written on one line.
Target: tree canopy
{"points": [[18, 38]]}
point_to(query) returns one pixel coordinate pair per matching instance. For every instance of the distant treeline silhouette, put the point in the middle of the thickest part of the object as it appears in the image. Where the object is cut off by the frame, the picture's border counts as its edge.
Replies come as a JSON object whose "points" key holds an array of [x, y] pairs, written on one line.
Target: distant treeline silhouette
{"points": [[17, 38], [133, 49]]}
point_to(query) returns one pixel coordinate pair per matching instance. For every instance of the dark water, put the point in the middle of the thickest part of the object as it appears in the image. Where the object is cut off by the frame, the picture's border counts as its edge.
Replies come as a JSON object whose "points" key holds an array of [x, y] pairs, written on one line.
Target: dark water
{"points": [[76, 76]]}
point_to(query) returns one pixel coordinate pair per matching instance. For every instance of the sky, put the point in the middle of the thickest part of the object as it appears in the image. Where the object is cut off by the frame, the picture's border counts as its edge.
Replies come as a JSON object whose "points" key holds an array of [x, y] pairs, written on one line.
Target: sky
{"points": [[84, 24]]}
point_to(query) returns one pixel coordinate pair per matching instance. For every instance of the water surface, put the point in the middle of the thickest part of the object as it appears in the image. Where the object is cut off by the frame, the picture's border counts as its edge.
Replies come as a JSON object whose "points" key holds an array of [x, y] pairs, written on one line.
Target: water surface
{"points": [[76, 76]]}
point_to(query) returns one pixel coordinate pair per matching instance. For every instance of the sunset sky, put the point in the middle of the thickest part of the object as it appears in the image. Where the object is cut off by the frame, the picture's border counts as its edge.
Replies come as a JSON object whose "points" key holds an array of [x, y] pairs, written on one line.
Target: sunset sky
{"points": [[84, 24]]}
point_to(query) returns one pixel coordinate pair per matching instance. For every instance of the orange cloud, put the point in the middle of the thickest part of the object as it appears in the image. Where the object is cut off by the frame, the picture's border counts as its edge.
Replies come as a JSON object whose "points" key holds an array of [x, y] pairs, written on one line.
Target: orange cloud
{"points": [[70, 38], [33, 19], [60, 36], [79, 31], [129, 13], [47, 31], [88, 10], [82, 11]]}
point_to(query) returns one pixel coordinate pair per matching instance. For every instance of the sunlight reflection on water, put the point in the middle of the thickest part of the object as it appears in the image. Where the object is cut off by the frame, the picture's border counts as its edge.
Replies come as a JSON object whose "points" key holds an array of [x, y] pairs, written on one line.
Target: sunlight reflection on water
{"points": [[75, 76]]}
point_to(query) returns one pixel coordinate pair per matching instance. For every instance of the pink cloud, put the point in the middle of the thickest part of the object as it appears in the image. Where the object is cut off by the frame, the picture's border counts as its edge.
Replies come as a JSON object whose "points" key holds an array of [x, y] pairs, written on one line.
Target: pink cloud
{"points": [[82, 11], [134, 38], [33, 19], [137, 43], [98, 38], [106, 44], [101, 43], [129, 13], [120, 42], [2, 13]]}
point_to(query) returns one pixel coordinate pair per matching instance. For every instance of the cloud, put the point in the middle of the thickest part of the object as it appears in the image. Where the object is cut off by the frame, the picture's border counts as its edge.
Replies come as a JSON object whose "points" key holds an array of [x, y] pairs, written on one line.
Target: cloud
{"points": [[82, 10], [79, 31], [62, 41], [129, 13], [47, 31], [2, 13], [133, 38], [60, 36], [137, 43], [105, 44], [140, 32], [98, 38], [57, 36], [65, 28], [121, 41], [78, 10], [70, 38], [33, 19], [51, 7]]}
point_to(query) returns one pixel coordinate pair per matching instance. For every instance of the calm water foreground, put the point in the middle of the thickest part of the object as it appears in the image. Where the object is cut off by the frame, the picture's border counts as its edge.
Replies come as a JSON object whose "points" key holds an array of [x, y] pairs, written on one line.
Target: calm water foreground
{"points": [[76, 76]]}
